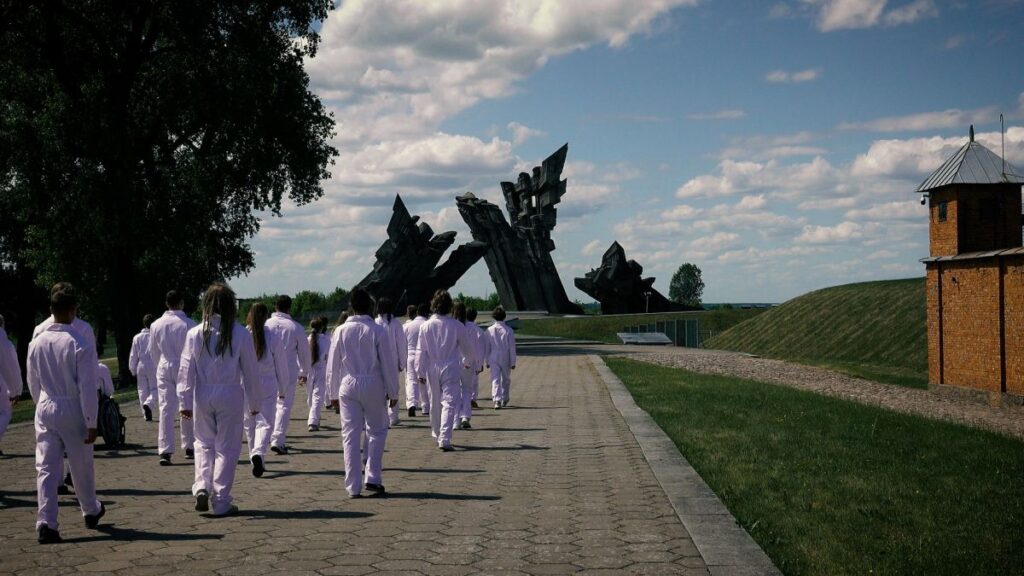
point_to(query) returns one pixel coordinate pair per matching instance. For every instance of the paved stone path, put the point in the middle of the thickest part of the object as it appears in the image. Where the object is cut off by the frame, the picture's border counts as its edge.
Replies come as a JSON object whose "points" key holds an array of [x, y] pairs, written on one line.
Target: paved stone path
{"points": [[556, 484]]}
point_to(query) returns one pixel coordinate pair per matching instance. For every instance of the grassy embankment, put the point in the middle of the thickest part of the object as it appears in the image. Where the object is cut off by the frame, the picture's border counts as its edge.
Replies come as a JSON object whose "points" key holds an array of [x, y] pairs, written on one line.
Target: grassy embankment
{"points": [[828, 486], [604, 328], [873, 330]]}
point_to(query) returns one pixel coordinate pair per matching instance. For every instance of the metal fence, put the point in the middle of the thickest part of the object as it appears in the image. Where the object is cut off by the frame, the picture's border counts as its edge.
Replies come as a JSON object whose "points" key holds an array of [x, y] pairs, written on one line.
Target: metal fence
{"points": [[685, 333]]}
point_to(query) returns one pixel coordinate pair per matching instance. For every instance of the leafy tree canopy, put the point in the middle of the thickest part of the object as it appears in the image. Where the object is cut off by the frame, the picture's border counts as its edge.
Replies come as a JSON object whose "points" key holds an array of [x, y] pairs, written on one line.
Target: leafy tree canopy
{"points": [[686, 286]]}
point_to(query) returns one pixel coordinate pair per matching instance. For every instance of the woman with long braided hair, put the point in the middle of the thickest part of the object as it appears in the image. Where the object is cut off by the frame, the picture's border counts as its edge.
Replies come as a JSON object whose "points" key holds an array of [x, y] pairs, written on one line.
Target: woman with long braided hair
{"points": [[273, 364], [219, 373]]}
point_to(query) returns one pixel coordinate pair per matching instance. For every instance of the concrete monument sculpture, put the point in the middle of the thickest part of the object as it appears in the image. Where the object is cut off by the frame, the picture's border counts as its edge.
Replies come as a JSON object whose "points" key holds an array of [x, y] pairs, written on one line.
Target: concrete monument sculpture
{"points": [[619, 286]]}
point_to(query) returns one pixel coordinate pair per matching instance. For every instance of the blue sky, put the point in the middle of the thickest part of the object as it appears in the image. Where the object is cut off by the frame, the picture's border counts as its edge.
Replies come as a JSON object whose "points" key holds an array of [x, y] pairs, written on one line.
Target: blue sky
{"points": [[775, 145]]}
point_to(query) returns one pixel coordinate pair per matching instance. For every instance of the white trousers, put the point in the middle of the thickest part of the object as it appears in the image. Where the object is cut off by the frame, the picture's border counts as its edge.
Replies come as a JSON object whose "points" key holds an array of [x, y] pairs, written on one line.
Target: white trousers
{"points": [[167, 393], [5, 414], [146, 382], [501, 380], [361, 400], [283, 411], [258, 428], [218, 418], [60, 429], [468, 380], [316, 394], [445, 399], [412, 391]]}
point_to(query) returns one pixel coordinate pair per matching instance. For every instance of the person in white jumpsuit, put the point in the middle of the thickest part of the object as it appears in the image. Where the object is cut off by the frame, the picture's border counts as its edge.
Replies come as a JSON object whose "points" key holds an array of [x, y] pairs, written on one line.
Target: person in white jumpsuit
{"points": [[362, 374], [141, 365], [166, 340], [61, 374], [443, 342], [10, 380], [482, 349], [501, 357], [471, 366], [273, 365], [104, 381], [219, 373], [316, 386], [416, 397], [396, 335], [297, 350]]}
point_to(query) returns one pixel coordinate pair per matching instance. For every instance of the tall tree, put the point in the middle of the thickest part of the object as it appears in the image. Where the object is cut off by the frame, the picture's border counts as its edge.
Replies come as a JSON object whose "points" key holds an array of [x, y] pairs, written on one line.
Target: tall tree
{"points": [[138, 140], [687, 286]]}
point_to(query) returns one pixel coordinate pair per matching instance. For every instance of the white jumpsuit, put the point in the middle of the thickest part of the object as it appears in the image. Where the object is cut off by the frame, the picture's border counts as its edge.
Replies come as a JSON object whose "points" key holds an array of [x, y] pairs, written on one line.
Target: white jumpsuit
{"points": [[215, 388], [10, 380], [296, 349], [141, 365], [396, 336], [471, 368], [415, 391], [362, 373], [61, 374], [273, 368], [166, 340], [442, 344], [316, 387], [502, 358]]}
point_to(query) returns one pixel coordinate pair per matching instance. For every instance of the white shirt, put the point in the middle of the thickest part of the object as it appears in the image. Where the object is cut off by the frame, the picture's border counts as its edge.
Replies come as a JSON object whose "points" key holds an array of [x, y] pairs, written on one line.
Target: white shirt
{"points": [[396, 334], [293, 336], [83, 328], [273, 365], [140, 359], [202, 366], [502, 345], [167, 338], [10, 372], [412, 337], [360, 349], [443, 341], [104, 382], [62, 365]]}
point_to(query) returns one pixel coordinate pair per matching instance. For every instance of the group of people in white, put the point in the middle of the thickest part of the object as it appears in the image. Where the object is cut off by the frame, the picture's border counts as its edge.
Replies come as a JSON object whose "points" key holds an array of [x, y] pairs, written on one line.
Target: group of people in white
{"points": [[225, 380]]}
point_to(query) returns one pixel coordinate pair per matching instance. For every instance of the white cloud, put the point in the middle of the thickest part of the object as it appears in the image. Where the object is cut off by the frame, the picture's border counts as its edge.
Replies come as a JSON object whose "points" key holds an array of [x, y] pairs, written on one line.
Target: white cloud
{"points": [[910, 13], [682, 212], [951, 118], [955, 41], [910, 209], [730, 114], [592, 247], [741, 176], [521, 133], [798, 77], [840, 233], [847, 14]]}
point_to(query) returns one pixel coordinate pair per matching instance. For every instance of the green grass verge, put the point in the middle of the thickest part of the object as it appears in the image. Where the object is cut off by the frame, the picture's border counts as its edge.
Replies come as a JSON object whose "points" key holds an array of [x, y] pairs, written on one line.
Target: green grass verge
{"points": [[828, 486], [873, 330], [26, 409], [604, 328]]}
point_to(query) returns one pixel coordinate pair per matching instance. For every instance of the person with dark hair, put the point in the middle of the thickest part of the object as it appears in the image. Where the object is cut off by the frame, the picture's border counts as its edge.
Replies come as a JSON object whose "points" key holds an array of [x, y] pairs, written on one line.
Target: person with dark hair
{"points": [[166, 340], [316, 391], [140, 364], [480, 346], [501, 357], [61, 374], [273, 367], [10, 380], [396, 337], [297, 350], [220, 378], [416, 397], [362, 376], [442, 345], [467, 374], [410, 312]]}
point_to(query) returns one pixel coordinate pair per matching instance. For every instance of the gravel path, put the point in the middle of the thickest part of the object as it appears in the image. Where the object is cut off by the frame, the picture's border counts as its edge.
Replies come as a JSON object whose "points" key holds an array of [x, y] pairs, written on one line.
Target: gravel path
{"points": [[1004, 420]]}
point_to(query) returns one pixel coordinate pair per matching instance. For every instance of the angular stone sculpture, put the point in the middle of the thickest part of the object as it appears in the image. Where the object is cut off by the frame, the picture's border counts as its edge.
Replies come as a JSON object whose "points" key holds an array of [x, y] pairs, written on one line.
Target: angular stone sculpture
{"points": [[405, 268], [519, 253], [619, 286]]}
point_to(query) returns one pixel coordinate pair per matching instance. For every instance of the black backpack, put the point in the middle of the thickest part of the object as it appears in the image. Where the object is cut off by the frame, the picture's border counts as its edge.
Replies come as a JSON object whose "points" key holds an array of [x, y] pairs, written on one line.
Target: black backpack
{"points": [[110, 423]]}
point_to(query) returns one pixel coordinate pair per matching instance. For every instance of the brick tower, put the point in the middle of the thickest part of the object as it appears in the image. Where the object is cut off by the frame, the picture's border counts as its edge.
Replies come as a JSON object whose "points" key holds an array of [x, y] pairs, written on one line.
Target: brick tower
{"points": [[975, 274]]}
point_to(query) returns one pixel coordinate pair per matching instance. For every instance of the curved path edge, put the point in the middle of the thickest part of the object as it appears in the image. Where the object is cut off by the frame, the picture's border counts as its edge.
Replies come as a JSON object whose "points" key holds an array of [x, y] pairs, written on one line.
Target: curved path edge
{"points": [[723, 544]]}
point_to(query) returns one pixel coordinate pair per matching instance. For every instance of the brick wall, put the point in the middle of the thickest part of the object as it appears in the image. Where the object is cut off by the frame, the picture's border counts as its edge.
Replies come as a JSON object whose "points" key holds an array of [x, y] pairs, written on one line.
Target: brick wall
{"points": [[1013, 291], [932, 306], [942, 236], [970, 324]]}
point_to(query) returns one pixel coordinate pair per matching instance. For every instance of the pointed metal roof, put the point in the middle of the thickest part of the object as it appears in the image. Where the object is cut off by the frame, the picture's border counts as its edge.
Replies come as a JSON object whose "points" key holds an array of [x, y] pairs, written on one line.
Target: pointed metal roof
{"points": [[972, 164]]}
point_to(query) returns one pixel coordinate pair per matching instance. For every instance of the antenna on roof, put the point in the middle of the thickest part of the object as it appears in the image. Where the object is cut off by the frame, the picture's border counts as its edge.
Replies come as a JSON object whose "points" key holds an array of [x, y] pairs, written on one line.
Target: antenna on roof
{"points": [[1002, 135], [972, 132]]}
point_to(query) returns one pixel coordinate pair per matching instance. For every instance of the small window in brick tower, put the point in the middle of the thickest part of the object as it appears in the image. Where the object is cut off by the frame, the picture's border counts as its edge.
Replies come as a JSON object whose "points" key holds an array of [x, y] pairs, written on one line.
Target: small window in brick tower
{"points": [[943, 211]]}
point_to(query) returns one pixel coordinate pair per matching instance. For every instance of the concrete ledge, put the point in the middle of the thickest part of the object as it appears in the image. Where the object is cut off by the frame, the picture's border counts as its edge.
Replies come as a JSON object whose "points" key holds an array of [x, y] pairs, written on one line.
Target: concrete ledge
{"points": [[723, 544]]}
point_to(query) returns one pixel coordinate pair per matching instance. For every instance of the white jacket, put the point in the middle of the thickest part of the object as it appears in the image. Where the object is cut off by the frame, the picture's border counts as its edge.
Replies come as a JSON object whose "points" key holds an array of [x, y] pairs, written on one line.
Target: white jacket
{"points": [[443, 341], [61, 365], [411, 329], [202, 366], [273, 365], [10, 372], [140, 359], [81, 327], [360, 350], [293, 336], [396, 335], [167, 339], [502, 345], [104, 382], [482, 344]]}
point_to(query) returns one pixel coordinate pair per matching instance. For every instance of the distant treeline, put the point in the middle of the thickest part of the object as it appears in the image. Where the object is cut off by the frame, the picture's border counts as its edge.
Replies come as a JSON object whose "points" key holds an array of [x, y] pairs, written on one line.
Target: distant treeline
{"points": [[307, 303]]}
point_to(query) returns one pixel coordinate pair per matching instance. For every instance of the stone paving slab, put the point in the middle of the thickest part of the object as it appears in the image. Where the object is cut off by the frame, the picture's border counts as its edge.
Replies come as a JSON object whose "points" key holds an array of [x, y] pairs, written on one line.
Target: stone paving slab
{"points": [[555, 484]]}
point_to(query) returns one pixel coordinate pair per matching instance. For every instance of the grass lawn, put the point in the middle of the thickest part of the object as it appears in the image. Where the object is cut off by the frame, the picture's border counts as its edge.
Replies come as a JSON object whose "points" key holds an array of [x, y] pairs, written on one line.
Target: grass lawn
{"points": [[604, 328], [26, 409], [828, 486]]}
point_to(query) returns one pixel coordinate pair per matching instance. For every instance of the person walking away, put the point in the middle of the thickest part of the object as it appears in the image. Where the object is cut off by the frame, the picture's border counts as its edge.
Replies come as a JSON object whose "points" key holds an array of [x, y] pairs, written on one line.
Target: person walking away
{"points": [[219, 375], [61, 374], [396, 337], [416, 397], [316, 388], [166, 340], [297, 351], [362, 375], [482, 349], [273, 367], [140, 364], [501, 358], [10, 380], [442, 344]]}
